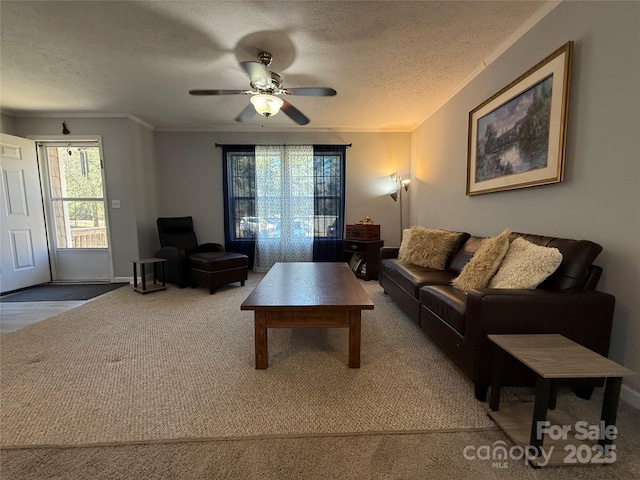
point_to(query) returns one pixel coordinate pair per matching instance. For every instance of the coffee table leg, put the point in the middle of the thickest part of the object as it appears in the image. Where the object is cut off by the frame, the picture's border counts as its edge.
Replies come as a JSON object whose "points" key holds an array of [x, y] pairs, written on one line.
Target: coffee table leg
{"points": [[354, 338], [261, 339]]}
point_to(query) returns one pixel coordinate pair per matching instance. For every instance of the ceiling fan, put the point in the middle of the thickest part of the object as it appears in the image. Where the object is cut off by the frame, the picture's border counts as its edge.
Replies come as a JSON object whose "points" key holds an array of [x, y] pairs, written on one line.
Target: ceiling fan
{"points": [[267, 87]]}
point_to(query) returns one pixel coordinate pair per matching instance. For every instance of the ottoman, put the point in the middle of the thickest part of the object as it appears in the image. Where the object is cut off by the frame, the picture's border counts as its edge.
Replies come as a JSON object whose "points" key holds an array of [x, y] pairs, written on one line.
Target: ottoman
{"points": [[215, 269]]}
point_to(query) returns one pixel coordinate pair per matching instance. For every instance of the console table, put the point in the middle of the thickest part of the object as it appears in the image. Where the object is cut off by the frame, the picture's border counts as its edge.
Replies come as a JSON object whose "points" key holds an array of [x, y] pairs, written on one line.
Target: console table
{"points": [[553, 357]]}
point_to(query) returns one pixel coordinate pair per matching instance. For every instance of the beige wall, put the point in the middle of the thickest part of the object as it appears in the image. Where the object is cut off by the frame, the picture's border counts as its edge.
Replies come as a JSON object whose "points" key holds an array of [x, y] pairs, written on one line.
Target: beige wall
{"points": [[189, 175], [600, 197], [6, 124], [145, 202]]}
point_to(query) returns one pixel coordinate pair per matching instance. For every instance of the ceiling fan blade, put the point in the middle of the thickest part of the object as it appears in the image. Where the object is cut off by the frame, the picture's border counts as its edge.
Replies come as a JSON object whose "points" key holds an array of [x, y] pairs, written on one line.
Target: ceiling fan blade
{"points": [[219, 92], [246, 114], [258, 73], [294, 114], [311, 91]]}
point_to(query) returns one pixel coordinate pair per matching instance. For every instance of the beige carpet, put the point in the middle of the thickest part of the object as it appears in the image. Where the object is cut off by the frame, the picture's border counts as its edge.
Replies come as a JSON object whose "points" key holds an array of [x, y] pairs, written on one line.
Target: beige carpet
{"points": [[166, 383], [180, 364], [437, 455]]}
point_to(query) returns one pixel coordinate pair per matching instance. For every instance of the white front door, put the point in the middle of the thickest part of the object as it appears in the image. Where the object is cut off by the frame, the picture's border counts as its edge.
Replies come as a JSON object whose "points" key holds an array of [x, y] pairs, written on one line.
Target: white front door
{"points": [[75, 209], [24, 257]]}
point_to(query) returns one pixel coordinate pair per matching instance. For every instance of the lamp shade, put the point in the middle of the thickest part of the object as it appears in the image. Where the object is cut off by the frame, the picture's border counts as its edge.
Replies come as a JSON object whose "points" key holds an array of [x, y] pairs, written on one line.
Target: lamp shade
{"points": [[266, 105]]}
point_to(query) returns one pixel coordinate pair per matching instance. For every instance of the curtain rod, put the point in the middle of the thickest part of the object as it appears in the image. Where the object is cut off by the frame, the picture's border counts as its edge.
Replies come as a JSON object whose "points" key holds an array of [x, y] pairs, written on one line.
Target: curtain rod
{"points": [[348, 145]]}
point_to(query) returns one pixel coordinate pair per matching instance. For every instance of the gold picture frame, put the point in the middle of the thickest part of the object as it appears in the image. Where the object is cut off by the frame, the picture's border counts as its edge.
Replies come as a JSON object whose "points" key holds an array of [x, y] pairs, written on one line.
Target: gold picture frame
{"points": [[517, 137]]}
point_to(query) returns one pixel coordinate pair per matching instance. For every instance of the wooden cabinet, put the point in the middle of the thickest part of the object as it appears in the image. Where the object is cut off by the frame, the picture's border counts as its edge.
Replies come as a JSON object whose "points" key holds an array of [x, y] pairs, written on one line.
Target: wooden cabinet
{"points": [[363, 257]]}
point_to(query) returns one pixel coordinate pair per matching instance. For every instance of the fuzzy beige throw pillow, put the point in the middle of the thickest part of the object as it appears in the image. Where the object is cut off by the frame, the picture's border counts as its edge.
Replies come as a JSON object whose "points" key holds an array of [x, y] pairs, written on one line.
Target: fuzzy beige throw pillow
{"points": [[404, 245], [428, 248], [484, 263], [526, 265]]}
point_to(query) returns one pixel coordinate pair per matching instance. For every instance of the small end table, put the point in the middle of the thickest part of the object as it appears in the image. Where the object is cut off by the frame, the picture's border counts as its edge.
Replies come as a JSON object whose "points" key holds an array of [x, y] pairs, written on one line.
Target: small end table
{"points": [[552, 357], [154, 287], [370, 250]]}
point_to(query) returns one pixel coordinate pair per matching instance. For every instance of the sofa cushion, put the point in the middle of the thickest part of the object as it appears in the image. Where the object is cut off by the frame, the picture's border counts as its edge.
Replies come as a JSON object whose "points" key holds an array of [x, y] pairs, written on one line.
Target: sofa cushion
{"points": [[447, 302], [484, 263], [427, 247], [411, 277], [464, 254], [526, 265], [577, 257]]}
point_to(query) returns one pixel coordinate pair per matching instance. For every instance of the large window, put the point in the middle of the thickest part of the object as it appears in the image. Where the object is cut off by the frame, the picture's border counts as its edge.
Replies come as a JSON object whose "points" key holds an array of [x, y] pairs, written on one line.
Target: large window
{"points": [[242, 224]]}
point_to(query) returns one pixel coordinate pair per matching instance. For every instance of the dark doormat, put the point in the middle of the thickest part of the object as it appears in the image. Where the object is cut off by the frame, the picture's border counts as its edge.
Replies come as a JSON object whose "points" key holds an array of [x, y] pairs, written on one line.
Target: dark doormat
{"points": [[55, 293]]}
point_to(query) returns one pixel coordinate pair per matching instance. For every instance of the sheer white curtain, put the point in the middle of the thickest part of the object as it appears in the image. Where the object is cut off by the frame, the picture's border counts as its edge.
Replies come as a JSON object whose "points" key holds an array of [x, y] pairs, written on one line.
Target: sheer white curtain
{"points": [[284, 205]]}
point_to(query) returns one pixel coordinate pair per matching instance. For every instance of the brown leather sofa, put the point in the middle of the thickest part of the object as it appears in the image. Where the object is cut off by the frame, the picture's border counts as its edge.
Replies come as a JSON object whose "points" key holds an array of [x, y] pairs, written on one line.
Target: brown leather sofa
{"points": [[458, 323]]}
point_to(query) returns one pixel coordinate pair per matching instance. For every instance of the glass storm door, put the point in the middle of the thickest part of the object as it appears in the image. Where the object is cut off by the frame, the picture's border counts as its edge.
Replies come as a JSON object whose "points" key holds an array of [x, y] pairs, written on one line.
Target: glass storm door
{"points": [[76, 211]]}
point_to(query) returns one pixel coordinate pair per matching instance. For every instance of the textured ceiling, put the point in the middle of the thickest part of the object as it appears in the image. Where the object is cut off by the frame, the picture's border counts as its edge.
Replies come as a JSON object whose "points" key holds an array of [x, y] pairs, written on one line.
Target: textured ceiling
{"points": [[391, 63]]}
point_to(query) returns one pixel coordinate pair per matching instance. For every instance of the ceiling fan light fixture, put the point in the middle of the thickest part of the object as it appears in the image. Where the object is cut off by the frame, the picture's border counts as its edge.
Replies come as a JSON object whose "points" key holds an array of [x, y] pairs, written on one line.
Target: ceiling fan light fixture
{"points": [[267, 105]]}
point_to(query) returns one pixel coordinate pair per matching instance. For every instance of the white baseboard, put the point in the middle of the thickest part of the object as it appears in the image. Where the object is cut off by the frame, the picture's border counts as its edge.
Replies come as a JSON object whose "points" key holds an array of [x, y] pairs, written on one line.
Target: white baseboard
{"points": [[123, 279], [630, 396]]}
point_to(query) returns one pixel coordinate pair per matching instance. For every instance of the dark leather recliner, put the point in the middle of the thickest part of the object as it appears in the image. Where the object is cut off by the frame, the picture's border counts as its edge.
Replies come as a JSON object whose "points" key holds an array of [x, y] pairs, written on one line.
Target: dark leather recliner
{"points": [[177, 241]]}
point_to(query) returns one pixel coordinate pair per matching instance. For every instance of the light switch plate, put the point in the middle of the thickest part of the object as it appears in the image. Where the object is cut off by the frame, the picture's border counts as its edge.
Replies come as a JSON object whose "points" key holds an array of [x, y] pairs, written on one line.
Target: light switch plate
{"points": [[115, 203]]}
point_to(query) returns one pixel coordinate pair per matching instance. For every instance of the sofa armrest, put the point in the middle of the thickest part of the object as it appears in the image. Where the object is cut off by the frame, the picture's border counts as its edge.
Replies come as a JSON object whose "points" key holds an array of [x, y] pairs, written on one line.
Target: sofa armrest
{"points": [[389, 252], [585, 317], [538, 311]]}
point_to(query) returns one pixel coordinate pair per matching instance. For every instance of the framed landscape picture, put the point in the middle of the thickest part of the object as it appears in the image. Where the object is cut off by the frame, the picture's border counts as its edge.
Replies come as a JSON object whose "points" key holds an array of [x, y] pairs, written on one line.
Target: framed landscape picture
{"points": [[517, 137]]}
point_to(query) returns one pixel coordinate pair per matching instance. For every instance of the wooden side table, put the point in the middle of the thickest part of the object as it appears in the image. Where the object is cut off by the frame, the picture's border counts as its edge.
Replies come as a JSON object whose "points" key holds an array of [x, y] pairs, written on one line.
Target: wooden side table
{"points": [[154, 287], [370, 250], [553, 357]]}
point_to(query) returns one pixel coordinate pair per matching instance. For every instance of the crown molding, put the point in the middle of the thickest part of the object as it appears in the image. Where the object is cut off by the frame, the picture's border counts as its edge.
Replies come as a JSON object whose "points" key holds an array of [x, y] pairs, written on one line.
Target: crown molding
{"points": [[82, 115], [140, 121], [259, 129], [221, 128]]}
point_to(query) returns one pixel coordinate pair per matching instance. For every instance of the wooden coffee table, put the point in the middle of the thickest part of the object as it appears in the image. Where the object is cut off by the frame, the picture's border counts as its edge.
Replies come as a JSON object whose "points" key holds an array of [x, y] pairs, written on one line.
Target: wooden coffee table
{"points": [[308, 295]]}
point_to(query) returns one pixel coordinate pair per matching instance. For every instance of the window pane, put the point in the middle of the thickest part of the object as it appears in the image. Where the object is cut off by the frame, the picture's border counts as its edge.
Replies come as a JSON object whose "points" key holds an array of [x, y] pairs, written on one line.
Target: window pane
{"points": [[328, 198], [80, 224], [245, 221], [242, 184], [75, 172]]}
